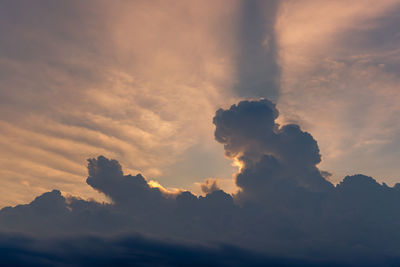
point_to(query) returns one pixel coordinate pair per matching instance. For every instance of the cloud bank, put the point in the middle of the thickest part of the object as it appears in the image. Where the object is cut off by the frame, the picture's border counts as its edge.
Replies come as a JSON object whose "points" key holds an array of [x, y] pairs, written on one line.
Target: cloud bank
{"points": [[133, 250], [284, 208]]}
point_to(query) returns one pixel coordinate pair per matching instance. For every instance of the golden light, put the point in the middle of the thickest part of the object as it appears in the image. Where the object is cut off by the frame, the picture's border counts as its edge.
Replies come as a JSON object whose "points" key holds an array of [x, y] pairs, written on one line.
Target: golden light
{"points": [[237, 163]]}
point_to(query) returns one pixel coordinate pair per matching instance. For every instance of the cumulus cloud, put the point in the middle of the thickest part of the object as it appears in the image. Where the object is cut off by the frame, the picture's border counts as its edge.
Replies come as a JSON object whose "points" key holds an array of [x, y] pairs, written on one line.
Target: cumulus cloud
{"points": [[285, 207], [267, 151]]}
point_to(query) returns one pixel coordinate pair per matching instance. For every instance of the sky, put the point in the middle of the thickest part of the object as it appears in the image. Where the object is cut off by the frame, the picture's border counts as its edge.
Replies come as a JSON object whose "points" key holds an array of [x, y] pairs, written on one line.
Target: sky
{"points": [[207, 107], [139, 81]]}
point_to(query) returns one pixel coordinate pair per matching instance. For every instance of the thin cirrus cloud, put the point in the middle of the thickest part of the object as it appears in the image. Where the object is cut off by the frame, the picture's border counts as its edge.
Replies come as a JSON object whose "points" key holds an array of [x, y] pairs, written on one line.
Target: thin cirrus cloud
{"points": [[139, 82], [339, 80], [81, 79]]}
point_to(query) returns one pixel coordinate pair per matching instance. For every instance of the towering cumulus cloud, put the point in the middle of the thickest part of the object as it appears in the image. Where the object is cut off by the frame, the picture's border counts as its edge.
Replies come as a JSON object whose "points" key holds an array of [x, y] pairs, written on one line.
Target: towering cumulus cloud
{"points": [[271, 155], [285, 212]]}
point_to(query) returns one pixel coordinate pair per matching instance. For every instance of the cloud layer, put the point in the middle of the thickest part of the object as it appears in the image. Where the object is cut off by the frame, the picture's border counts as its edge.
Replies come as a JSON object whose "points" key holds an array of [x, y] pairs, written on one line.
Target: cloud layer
{"points": [[339, 81], [17, 250], [127, 80], [82, 79], [284, 208]]}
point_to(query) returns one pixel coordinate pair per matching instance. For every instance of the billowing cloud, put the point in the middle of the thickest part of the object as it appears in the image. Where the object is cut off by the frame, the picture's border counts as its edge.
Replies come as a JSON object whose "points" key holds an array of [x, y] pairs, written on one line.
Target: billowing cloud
{"points": [[285, 207], [286, 154]]}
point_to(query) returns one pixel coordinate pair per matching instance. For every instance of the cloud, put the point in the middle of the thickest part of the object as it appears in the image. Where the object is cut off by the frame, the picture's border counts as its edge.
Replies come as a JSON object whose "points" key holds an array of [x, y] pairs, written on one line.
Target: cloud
{"points": [[338, 63], [285, 208], [80, 80], [258, 71], [209, 186], [137, 250], [86, 79], [288, 155]]}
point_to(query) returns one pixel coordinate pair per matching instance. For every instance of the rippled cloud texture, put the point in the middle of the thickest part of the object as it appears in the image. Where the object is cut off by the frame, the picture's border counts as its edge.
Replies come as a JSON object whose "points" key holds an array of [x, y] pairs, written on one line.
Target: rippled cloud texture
{"points": [[133, 80], [285, 208], [340, 63], [139, 81]]}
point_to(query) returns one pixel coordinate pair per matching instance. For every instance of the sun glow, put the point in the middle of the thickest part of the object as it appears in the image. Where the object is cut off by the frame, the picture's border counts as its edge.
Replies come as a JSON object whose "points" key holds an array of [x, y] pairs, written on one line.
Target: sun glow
{"points": [[237, 163], [165, 191]]}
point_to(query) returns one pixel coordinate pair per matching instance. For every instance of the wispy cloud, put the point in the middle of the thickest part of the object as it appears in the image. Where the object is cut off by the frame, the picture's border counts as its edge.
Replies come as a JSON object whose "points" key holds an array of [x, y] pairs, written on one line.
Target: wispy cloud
{"points": [[339, 80], [125, 80]]}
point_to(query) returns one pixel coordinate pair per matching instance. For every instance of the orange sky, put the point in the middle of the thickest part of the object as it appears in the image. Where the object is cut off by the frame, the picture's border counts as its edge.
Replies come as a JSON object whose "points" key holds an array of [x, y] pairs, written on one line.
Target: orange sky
{"points": [[139, 81]]}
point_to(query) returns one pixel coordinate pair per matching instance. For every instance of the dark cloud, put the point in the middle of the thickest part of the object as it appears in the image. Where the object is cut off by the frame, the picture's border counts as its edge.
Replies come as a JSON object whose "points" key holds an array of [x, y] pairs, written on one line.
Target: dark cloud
{"points": [[271, 155], [285, 208], [106, 176], [132, 250], [257, 67]]}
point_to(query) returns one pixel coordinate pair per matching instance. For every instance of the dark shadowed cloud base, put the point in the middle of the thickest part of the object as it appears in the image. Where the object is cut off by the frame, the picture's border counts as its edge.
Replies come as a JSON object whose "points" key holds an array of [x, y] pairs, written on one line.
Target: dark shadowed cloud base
{"points": [[130, 250], [285, 209]]}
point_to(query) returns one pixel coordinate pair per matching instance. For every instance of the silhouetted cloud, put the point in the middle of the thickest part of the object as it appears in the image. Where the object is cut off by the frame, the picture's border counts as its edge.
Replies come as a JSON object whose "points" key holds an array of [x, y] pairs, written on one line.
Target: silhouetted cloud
{"points": [[132, 250], [270, 155], [285, 208]]}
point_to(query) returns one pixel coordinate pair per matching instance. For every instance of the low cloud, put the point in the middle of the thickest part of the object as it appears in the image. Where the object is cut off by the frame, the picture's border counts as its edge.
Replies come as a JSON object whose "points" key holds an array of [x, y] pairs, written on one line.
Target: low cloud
{"points": [[284, 207], [137, 250]]}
